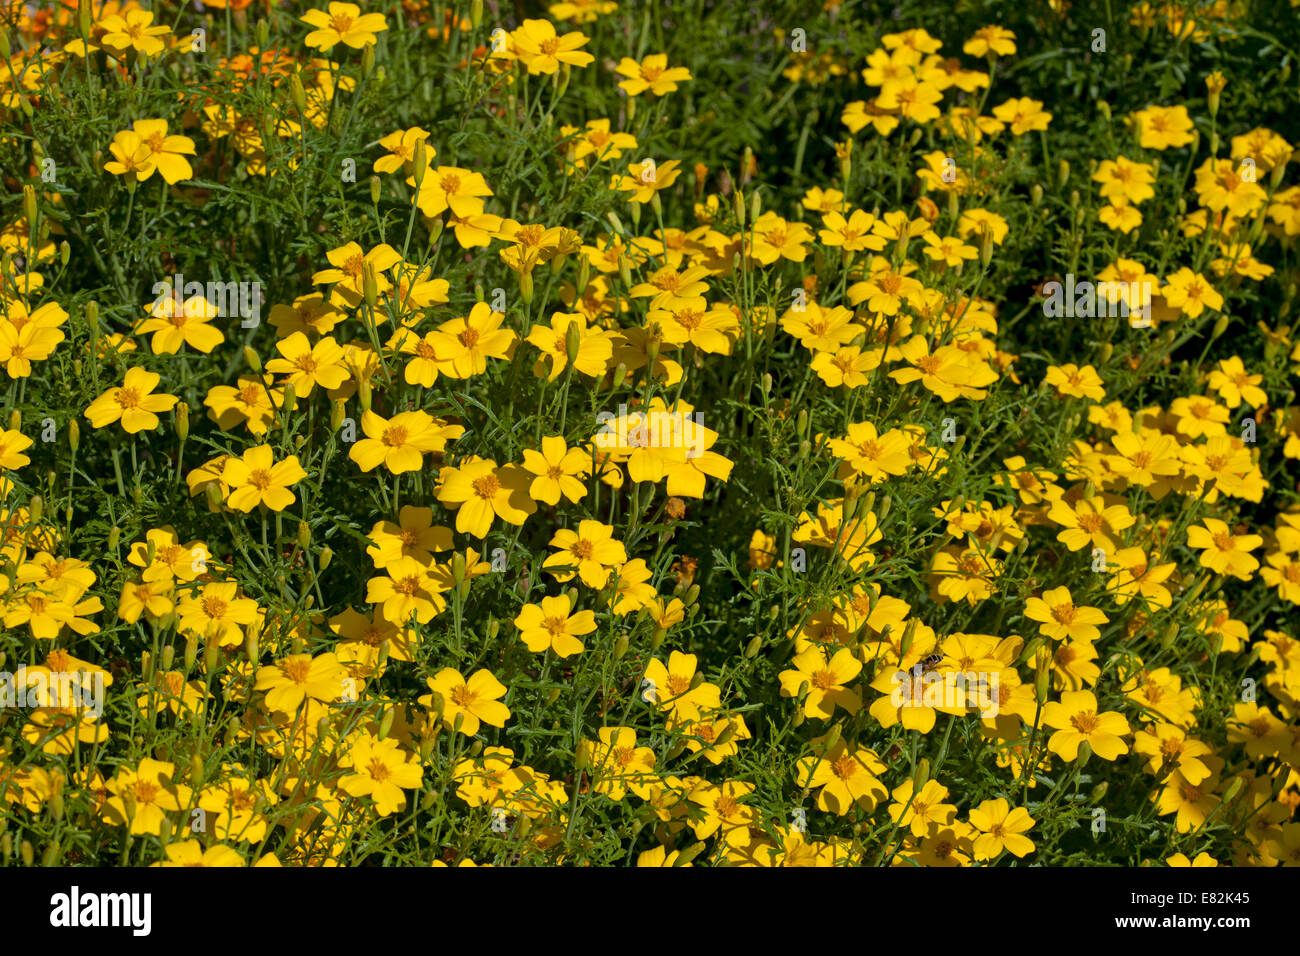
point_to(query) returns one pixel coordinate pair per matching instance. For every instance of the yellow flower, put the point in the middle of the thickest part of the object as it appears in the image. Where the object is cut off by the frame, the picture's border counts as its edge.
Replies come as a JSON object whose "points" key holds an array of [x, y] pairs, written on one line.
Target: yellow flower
{"points": [[309, 365], [399, 443], [450, 187], [591, 357], [845, 777], [1222, 551], [383, 771], [123, 33], [43, 613], [826, 677], [1191, 293], [1001, 828], [990, 41], [188, 325], [1076, 720], [480, 491], [472, 700], [401, 150], [1124, 181], [28, 338], [616, 764], [653, 73], [924, 811], [542, 51], [293, 679], [143, 797], [556, 467], [591, 552], [130, 155], [257, 479], [166, 153], [12, 445], [462, 346], [551, 625], [648, 178], [1060, 618], [344, 23], [407, 589], [214, 613], [1024, 115], [1160, 127], [1071, 380], [133, 403], [413, 536], [350, 266], [190, 853]]}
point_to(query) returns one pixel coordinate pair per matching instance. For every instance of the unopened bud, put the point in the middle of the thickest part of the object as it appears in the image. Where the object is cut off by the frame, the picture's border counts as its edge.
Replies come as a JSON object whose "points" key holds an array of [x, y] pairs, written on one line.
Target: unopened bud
{"points": [[921, 776]]}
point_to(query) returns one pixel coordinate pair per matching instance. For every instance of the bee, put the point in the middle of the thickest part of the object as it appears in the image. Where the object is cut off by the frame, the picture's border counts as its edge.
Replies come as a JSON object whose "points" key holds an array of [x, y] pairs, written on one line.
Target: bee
{"points": [[929, 662], [924, 666]]}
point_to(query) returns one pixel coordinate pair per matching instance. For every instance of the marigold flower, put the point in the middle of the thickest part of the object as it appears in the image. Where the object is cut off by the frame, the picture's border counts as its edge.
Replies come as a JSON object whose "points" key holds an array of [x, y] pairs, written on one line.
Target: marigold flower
{"points": [[133, 403], [257, 479]]}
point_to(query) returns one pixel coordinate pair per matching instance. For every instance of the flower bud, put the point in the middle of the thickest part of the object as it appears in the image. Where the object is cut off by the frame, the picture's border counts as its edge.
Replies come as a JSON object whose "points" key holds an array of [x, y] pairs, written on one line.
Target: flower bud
{"points": [[572, 342], [921, 776], [1085, 754], [584, 275], [297, 93], [831, 739], [370, 284], [211, 657]]}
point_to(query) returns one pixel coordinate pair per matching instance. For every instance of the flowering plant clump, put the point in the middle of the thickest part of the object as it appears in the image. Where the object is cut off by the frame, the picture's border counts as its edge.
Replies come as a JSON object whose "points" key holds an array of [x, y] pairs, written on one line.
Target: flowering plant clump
{"points": [[617, 434]]}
